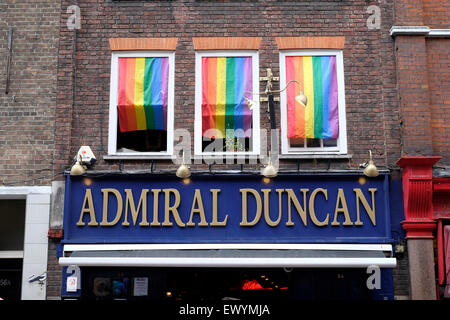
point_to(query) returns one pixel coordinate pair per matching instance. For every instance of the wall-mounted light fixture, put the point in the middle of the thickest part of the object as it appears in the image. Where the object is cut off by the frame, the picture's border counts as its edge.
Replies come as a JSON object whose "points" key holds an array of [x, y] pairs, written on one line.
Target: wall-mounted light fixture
{"points": [[370, 168], [300, 98], [270, 171], [78, 169], [183, 171]]}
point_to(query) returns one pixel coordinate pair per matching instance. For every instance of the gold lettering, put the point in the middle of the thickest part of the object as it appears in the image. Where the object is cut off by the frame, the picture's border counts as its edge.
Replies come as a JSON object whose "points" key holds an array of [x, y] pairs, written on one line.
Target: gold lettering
{"points": [[155, 222], [215, 222], [266, 193], [116, 193], [199, 210], [135, 212], [293, 198], [343, 209], [89, 209], [244, 222], [172, 209], [370, 211], [312, 211]]}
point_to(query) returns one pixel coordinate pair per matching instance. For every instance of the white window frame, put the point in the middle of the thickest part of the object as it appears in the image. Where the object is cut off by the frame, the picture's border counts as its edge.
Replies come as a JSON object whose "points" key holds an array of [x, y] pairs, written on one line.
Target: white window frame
{"points": [[113, 98], [198, 101], [341, 147]]}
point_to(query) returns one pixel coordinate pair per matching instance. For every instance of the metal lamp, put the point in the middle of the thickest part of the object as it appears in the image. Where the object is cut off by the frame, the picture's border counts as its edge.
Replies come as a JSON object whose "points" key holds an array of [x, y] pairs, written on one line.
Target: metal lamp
{"points": [[269, 171], [78, 169], [371, 170], [302, 99], [183, 171]]}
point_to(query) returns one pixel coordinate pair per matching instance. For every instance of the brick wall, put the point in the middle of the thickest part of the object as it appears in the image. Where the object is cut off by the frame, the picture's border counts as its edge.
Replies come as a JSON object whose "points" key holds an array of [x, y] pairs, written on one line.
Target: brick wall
{"points": [[423, 79], [438, 65], [372, 117], [414, 95], [53, 272], [401, 276], [373, 120], [27, 111], [436, 14]]}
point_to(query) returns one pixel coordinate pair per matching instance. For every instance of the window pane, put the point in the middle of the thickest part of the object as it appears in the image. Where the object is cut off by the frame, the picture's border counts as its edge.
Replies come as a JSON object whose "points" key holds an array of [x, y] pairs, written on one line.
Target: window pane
{"points": [[142, 141], [297, 142], [12, 224], [330, 142], [142, 104], [226, 145], [226, 82], [317, 77], [313, 143]]}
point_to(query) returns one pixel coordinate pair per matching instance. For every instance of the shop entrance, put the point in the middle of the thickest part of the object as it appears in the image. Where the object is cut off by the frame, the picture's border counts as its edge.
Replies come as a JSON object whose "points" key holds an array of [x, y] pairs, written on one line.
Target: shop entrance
{"points": [[218, 284]]}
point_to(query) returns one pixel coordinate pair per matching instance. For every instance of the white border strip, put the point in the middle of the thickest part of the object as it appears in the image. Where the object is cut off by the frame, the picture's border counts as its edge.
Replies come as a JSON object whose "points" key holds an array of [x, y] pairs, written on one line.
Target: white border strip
{"points": [[24, 191], [409, 30], [11, 254], [418, 31], [232, 262], [212, 246], [445, 33]]}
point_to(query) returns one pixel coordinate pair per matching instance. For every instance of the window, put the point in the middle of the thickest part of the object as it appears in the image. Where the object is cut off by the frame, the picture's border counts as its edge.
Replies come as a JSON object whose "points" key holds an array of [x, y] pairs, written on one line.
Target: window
{"points": [[141, 103], [320, 127], [224, 123]]}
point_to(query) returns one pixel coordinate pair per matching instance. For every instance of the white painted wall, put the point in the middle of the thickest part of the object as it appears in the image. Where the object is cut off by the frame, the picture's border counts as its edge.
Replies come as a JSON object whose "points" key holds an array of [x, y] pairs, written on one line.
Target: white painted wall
{"points": [[35, 252]]}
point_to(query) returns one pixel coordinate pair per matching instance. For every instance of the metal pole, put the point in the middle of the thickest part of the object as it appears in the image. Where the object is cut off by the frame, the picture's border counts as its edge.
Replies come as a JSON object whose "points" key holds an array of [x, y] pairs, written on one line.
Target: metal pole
{"points": [[273, 130], [8, 59], [273, 125]]}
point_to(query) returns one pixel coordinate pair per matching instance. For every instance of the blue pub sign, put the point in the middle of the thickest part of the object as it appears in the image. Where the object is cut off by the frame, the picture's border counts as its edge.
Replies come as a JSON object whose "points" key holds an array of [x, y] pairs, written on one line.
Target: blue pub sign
{"points": [[218, 208]]}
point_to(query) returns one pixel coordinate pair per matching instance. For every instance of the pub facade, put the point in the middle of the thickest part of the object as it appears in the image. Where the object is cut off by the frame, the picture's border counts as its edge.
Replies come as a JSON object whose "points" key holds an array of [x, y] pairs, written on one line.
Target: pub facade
{"points": [[227, 150]]}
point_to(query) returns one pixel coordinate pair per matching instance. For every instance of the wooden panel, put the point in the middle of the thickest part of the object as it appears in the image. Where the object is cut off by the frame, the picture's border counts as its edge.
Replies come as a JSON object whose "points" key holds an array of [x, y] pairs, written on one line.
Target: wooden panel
{"points": [[227, 43], [286, 43], [133, 44]]}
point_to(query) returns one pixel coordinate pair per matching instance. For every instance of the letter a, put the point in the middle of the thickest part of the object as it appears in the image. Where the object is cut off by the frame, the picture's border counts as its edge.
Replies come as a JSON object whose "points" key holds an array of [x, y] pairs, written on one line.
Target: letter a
{"points": [[89, 209], [373, 282]]}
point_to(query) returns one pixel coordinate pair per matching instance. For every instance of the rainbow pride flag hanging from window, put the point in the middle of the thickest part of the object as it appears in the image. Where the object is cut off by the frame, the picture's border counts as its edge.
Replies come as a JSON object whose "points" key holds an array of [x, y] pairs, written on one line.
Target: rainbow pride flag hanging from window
{"points": [[225, 81], [143, 93], [320, 118]]}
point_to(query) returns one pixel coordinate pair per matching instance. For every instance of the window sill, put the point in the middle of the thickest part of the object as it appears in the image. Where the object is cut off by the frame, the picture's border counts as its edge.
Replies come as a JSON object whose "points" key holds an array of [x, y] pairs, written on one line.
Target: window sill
{"points": [[138, 157], [315, 156], [232, 156]]}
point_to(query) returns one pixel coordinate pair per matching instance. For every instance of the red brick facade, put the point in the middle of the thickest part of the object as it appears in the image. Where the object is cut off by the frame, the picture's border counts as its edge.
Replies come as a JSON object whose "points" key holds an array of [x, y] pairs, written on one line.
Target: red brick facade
{"points": [[438, 66], [372, 113], [371, 101], [27, 111], [423, 72], [396, 90]]}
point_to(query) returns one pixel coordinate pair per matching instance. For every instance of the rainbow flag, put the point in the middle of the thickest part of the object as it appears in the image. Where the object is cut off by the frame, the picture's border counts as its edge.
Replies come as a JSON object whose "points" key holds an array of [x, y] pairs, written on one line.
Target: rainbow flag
{"points": [[225, 82], [143, 93], [317, 75]]}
